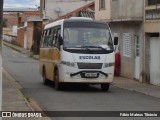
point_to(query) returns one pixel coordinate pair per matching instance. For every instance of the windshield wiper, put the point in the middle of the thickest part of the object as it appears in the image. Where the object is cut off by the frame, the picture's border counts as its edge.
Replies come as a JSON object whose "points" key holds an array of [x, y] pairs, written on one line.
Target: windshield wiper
{"points": [[99, 47], [87, 48]]}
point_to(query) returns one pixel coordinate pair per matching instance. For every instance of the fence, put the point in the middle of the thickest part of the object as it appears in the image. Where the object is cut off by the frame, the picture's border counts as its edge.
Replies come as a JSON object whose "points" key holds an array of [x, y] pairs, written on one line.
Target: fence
{"points": [[10, 38]]}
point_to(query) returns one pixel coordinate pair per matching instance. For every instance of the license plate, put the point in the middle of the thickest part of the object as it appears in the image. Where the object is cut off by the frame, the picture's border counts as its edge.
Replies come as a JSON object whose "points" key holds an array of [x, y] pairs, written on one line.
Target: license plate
{"points": [[90, 74]]}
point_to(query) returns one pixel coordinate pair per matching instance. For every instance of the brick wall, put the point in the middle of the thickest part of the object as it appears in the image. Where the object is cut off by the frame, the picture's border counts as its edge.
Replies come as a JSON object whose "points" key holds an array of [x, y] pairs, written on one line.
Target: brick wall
{"points": [[11, 19]]}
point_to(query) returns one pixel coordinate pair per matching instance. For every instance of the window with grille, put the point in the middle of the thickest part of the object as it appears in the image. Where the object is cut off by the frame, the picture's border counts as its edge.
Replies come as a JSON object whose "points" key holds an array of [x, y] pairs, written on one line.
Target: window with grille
{"points": [[153, 2], [127, 44], [101, 4]]}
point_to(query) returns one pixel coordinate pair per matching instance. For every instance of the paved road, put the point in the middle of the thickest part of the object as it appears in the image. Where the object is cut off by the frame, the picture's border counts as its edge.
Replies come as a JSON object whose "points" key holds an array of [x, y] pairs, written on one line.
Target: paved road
{"points": [[74, 98]]}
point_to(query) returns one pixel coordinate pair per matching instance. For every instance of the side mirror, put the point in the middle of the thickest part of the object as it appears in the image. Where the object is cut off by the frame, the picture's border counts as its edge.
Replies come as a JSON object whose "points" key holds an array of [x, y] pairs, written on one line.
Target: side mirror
{"points": [[60, 39], [115, 40]]}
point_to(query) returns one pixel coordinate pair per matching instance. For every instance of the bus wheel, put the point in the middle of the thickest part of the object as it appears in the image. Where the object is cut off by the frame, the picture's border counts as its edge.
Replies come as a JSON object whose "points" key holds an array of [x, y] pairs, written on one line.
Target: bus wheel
{"points": [[105, 86], [56, 80], [45, 81]]}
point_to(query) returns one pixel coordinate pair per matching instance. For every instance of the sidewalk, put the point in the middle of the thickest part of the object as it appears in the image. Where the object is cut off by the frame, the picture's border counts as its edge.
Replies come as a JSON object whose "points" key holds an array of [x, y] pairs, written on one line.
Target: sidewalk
{"points": [[136, 86], [13, 99], [21, 50]]}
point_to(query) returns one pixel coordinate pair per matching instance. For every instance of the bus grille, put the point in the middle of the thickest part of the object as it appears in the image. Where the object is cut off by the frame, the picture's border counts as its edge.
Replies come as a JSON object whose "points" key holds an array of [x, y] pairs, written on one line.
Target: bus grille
{"points": [[89, 65]]}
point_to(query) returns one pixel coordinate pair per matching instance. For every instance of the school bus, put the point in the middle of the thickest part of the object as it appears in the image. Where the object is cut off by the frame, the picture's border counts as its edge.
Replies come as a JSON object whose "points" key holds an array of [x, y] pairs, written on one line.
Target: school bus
{"points": [[77, 50]]}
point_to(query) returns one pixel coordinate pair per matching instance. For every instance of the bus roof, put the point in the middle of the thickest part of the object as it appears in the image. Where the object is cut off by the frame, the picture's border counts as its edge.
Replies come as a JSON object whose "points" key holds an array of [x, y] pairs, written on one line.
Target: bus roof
{"points": [[75, 19], [59, 22]]}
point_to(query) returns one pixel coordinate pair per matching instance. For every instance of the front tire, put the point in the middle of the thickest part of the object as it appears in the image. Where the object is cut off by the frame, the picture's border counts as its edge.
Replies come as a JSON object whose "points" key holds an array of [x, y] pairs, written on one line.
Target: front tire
{"points": [[105, 86], [57, 84]]}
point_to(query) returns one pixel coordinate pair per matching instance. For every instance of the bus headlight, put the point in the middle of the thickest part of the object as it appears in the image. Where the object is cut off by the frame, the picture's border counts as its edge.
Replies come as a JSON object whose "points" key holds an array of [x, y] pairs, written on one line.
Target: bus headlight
{"points": [[70, 64], [108, 65]]}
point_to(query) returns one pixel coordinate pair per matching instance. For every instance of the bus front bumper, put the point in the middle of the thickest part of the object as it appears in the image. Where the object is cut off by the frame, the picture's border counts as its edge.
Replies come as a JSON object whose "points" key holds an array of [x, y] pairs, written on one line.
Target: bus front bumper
{"points": [[96, 77]]}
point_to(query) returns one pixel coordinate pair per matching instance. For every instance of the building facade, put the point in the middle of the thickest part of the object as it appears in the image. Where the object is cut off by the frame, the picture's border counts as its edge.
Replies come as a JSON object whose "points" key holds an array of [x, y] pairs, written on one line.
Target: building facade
{"points": [[10, 20], [52, 9], [22, 25], [126, 21], [152, 41]]}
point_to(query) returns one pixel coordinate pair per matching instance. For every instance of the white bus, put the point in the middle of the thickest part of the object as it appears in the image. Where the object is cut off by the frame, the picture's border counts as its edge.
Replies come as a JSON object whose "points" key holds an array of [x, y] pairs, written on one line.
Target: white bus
{"points": [[77, 50]]}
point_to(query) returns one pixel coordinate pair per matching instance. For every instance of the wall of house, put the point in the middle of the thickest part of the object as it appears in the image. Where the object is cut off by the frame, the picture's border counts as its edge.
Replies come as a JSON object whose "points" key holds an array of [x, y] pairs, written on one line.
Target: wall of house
{"points": [[53, 8], [128, 63], [11, 19], [146, 74], [9, 38], [103, 14], [20, 37], [152, 27], [7, 31], [20, 34], [27, 14], [30, 31], [37, 36], [126, 9]]}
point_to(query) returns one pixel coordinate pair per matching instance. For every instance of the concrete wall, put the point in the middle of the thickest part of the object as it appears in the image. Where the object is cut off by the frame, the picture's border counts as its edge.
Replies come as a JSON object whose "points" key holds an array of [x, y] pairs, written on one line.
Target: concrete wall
{"points": [[7, 31], [62, 7], [120, 9], [11, 19], [127, 63], [152, 27], [30, 31], [146, 74], [126, 9], [9, 38], [20, 37], [103, 14]]}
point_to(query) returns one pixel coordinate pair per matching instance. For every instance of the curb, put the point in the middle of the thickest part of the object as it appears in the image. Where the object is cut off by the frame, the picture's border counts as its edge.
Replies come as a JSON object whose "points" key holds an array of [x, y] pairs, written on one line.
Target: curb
{"points": [[19, 49], [11, 46], [140, 88], [32, 104]]}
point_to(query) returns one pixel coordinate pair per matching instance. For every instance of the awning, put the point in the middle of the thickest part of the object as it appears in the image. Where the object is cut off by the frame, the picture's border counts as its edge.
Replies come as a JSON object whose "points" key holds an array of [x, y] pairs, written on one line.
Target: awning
{"points": [[86, 14]]}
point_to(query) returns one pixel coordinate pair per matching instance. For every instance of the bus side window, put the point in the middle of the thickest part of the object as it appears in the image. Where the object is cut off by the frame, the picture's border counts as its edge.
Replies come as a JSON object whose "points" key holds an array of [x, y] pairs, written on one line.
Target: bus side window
{"points": [[58, 33], [50, 38], [54, 36], [44, 37]]}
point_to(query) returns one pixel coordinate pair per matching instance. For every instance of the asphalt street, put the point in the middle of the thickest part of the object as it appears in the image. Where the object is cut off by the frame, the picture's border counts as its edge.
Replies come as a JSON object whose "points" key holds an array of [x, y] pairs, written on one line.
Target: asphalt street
{"points": [[25, 71]]}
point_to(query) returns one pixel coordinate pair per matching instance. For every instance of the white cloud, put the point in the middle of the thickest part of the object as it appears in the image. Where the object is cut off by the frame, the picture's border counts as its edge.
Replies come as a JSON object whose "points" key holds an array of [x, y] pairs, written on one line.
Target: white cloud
{"points": [[12, 5], [26, 4]]}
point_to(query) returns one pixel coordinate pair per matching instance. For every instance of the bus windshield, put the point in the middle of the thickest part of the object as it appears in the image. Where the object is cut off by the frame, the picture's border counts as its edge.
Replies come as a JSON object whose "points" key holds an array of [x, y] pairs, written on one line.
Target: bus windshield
{"points": [[87, 36]]}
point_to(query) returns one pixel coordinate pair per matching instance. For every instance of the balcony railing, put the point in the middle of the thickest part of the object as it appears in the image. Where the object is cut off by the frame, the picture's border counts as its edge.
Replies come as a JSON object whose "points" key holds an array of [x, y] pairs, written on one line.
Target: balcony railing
{"points": [[152, 14]]}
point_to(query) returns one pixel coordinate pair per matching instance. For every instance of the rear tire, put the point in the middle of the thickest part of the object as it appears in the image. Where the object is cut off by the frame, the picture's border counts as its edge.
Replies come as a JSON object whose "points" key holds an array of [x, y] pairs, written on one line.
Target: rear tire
{"points": [[57, 84], [45, 81], [105, 86]]}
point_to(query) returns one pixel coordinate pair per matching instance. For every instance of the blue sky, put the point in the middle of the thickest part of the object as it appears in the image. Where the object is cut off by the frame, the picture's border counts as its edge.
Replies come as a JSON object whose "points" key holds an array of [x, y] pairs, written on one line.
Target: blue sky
{"points": [[21, 3]]}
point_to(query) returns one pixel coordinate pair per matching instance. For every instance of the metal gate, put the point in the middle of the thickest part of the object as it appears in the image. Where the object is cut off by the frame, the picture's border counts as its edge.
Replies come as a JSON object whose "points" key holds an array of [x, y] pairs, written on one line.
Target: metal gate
{"points": [[155, 61]]}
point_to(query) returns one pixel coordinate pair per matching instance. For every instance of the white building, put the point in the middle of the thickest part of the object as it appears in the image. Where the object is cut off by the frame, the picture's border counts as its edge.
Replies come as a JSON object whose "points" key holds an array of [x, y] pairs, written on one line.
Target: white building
{"points": [[52, 9], [126, 20]]}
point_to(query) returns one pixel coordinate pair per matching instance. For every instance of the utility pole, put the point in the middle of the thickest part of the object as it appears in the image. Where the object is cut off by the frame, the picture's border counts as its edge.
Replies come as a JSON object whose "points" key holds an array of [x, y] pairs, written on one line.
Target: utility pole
{"points": [[1, 27], [1, 22], [42, 8]]}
